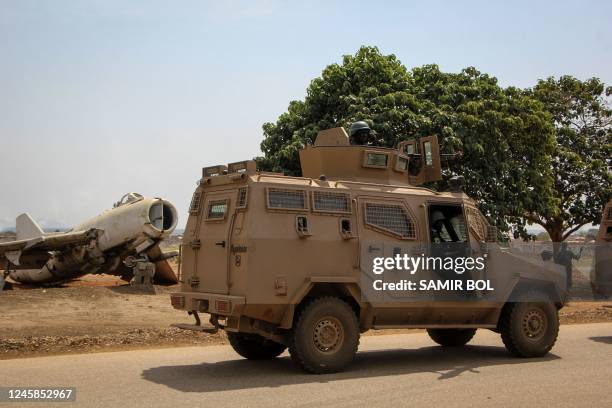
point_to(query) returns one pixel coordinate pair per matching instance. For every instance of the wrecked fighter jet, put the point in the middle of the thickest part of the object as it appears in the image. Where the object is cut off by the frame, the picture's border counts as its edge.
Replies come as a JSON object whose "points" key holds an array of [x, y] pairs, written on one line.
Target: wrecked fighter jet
{"points": [[123, 241]]}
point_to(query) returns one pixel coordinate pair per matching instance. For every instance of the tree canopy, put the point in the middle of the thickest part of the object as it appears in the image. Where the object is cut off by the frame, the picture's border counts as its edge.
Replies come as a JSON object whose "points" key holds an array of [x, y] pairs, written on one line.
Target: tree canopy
{"points": [[582, 157], [507, 136]]}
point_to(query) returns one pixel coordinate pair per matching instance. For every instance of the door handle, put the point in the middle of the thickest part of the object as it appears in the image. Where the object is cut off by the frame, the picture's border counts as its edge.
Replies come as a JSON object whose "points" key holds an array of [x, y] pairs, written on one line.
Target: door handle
{"points": [[220, 243]]}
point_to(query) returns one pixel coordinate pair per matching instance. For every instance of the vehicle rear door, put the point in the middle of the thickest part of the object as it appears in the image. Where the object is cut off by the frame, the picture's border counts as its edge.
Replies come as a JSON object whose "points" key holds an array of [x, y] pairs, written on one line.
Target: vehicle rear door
{"points": [[212, 256]]}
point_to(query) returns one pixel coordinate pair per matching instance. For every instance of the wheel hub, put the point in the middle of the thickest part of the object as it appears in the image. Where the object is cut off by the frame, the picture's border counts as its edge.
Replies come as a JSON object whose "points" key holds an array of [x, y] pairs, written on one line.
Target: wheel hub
{"points": [[328, 334], [534, 324]]}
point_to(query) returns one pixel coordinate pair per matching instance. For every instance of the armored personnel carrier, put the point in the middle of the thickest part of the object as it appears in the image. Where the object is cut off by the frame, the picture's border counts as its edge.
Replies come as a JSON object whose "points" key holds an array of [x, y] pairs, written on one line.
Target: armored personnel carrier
{"points": [[282, 262]]}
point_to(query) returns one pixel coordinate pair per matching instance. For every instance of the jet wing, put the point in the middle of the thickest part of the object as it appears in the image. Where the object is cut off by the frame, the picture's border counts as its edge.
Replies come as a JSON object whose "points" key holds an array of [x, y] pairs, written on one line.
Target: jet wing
{"points": [[12, 250]]}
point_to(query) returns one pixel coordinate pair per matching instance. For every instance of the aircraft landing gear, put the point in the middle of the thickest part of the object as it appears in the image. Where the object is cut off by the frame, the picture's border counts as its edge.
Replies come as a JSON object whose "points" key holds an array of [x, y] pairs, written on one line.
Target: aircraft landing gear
{"points": [[143, 271]]}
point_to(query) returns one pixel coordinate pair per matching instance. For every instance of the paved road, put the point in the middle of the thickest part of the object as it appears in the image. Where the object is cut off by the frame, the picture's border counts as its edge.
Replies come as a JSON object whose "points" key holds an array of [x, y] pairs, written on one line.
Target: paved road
{"points": [[390, 371]]}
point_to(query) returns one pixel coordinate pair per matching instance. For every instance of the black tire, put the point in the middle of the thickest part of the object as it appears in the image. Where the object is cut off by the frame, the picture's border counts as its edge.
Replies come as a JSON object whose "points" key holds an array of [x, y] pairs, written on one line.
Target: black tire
{"points": [[254, 346], [529, 329], [325, 336], [451, 337]]}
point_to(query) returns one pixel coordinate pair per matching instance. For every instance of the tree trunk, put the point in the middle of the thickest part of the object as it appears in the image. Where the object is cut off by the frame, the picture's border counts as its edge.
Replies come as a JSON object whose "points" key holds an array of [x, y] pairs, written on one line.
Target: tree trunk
{"points": [[555, 232]]}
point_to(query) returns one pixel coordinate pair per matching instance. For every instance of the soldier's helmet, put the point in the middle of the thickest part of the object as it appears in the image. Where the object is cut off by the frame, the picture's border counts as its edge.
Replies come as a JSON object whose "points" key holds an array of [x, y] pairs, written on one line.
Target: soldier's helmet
{"points": [[361, 134], [357, 126]]}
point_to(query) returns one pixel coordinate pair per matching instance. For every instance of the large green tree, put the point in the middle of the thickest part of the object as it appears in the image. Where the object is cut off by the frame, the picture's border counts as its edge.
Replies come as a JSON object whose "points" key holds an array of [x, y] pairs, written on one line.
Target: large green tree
{"points": [[582, 157], [505, 135]]}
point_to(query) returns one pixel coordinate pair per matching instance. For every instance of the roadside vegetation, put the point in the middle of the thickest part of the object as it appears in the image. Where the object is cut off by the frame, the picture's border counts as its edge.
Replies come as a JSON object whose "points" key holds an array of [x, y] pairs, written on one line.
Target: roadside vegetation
{"points": [[540, 155]]}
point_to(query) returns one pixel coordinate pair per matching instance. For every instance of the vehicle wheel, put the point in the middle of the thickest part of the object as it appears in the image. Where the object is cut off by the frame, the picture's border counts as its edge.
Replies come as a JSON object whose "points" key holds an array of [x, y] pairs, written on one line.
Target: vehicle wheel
{"points": [[254, 346], [325, 336], [529, 329], [451, 337]]}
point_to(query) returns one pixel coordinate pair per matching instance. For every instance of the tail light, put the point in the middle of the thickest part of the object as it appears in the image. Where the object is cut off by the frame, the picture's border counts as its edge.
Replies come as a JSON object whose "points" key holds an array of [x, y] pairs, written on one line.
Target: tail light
{"points": [[222, 306]]}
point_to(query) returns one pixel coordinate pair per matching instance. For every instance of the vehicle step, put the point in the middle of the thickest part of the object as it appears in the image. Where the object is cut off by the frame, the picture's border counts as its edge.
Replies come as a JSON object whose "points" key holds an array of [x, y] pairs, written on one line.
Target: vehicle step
{"points": [[195, 327]]}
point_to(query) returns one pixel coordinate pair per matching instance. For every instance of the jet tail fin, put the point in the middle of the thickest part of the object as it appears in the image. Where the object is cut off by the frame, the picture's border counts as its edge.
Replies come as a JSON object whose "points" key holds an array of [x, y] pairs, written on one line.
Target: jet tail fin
{"points": [[27, 228]]}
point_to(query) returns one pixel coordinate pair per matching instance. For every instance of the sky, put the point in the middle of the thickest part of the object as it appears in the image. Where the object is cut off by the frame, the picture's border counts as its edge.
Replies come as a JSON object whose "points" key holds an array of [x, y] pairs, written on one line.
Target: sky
{"points": [[99, 98]]}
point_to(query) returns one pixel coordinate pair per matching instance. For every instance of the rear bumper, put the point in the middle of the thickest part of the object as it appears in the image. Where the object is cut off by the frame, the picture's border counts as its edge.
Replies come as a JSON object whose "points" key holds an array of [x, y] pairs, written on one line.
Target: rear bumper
{"points": [[212, 303]]}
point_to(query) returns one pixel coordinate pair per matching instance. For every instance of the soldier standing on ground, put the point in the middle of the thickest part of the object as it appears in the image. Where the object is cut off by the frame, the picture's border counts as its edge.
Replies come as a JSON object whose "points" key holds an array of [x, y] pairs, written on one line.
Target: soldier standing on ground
{"points": [[565, 257]]}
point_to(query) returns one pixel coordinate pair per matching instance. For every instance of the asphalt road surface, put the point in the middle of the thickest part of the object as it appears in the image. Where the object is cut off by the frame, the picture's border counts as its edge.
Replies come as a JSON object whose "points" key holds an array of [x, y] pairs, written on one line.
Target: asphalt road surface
{"points": [[389, 371]]}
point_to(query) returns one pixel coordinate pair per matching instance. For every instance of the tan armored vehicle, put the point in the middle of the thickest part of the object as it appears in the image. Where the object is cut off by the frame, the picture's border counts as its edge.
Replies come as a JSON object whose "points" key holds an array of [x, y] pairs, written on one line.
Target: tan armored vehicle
{"points": [[601, 277], [281, 262]]}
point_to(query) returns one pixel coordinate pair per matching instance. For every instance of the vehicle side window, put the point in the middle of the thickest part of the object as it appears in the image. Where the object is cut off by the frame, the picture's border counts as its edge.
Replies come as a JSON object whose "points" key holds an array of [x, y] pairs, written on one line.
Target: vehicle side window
{"points": [[194, 207], [428, 154], [477, 223], [326, 201], [375, 159], [390, 218], [281, 198], [241, 201], [217, 209], [447, 223]]}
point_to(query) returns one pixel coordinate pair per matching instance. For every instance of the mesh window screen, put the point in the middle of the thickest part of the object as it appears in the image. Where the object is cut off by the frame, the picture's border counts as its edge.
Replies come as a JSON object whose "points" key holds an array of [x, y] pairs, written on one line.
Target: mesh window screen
{"points": [[194, 207], [392, 218], [477, 223], [217, 209], [333, 202], [282, 198], [242, 198]]}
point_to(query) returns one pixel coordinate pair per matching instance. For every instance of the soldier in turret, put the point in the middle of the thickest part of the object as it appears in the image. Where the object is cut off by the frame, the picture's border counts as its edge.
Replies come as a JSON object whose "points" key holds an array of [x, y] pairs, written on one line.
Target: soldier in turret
{"points": [[361, 134]]}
